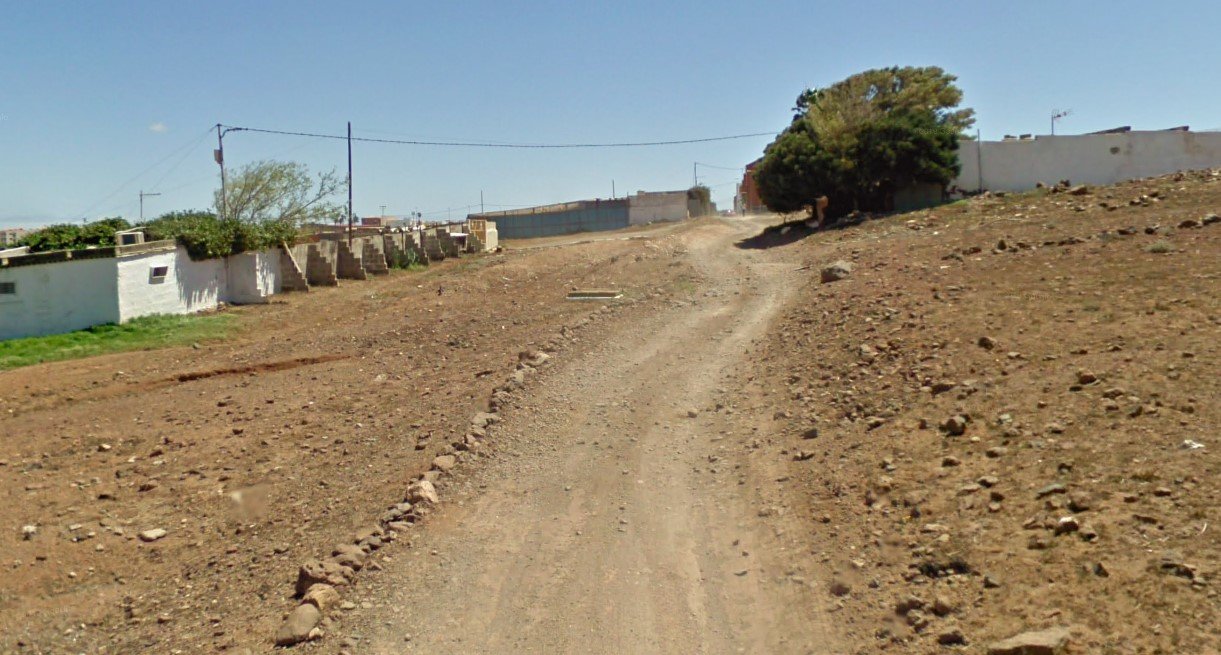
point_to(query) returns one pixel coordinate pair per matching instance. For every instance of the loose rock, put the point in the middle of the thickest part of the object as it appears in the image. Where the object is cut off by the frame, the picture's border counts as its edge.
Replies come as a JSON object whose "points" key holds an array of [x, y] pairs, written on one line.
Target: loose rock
{"points": [[1042, 642], [153, 535], [836, 271], [422, 491], [299, 626], [322, 596]]}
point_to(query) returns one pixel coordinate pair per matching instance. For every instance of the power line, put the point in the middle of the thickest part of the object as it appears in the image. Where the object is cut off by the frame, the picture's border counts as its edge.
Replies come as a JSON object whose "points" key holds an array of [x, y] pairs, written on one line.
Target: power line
{"points": [[141, 174], [472, 144], [185, 154]]}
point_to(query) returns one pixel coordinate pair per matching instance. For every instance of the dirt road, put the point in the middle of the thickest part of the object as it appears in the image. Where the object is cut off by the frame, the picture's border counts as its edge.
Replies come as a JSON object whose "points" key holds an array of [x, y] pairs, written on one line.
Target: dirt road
{"points": [[1002, 423], [616, 518]]}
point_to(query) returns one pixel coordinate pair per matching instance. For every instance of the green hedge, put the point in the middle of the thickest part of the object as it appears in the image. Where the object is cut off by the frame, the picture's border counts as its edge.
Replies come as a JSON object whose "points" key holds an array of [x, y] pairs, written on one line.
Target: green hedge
{"points": [[205, 236], [70, 236]]}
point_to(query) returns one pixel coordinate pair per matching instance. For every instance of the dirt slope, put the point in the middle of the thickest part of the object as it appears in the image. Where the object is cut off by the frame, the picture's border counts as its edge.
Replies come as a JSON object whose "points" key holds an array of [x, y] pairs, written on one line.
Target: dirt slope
{"points": [[1077, 338]]}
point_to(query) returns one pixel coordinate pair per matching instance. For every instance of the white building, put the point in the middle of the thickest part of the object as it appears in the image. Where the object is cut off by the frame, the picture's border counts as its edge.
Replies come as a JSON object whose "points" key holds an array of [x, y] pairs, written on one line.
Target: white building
{"points": [[11, 236], [1019, 164], [50, 293]]}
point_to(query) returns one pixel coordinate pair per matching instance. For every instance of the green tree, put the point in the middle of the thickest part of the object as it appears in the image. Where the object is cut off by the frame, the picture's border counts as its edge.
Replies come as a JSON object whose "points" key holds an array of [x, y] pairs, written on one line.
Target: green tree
{"points": [[279, 192], [700, 197], [860, 139]]}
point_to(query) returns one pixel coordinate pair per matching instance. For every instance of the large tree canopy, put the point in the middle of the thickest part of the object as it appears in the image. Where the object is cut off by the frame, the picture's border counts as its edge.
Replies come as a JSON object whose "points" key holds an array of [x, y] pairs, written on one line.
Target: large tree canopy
{"points": [[860, 139], [279, 192], [265, 204]]}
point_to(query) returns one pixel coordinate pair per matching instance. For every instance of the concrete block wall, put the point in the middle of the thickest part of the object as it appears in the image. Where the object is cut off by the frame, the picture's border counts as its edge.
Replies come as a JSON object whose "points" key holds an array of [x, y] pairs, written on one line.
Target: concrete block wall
{"points": [[253, 277], [347, 263], [292, 277], [402, 248], [432, 245], [187, 287], [651, 207], [373, 258], [319, 269], [448, 244]]}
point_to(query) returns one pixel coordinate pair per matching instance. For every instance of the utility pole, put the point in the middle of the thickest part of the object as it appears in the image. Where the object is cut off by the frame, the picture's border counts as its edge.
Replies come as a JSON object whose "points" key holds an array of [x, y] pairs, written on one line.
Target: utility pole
{"points": [[349, 185], [219, 155], [481, 201], [142, 197], [612, 189], [383, 214], [695, 174]]}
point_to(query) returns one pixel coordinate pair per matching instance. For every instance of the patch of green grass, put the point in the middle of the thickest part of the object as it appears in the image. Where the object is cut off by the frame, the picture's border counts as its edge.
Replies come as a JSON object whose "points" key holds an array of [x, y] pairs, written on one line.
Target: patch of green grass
{"points": [[144, 333]]}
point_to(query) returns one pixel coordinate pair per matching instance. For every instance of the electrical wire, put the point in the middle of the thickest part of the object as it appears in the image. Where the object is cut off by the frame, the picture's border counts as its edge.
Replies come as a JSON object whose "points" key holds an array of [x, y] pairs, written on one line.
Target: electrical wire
{"points": [[178, 163], [473, 144], [143, 173]]}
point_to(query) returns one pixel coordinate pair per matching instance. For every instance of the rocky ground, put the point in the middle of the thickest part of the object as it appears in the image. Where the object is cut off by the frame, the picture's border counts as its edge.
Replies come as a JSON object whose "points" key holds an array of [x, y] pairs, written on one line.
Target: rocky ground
{"points": [[994, 419], [1006, 419]]}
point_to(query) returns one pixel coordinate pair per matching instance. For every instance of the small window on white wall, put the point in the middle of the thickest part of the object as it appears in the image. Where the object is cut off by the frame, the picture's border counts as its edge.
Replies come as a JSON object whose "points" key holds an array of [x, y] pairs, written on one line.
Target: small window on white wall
{"points": [[157, 274], [8, 288]]}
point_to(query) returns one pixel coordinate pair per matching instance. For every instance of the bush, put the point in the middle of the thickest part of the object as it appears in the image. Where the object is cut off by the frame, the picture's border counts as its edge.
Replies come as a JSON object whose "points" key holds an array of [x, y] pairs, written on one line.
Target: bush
{"points": [[69, 236], [205, 236], [1160, 248]]}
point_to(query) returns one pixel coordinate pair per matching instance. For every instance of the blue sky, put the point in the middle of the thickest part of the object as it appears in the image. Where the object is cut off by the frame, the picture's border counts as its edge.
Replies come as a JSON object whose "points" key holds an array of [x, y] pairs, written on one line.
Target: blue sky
{"points": [[101, 100]]}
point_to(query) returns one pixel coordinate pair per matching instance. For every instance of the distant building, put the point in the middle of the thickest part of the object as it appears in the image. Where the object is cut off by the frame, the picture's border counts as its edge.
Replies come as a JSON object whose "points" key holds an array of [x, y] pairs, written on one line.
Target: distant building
{"points": [[748, 201], [1021, 163], [11, 236], [589, 215]]}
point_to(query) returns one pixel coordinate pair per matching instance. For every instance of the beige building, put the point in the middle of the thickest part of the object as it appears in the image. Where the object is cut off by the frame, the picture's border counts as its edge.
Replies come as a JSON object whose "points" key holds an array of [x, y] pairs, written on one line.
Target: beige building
{"points": [[11, 236]]}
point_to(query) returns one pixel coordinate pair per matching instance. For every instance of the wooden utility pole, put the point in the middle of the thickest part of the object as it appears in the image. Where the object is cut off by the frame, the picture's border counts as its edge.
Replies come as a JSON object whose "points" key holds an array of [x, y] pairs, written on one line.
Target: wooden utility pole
{"points": [[220, 159], [349, 185]]}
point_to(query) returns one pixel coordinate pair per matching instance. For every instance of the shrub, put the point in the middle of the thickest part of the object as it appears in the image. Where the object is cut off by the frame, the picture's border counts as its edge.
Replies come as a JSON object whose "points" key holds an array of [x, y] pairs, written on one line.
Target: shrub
{"points": [[1160, 248], [69, 236], [206, 236]]}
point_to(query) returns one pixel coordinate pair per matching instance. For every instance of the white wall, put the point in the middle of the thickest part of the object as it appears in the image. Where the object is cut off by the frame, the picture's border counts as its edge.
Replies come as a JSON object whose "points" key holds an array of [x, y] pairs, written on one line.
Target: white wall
{"points": [[1019, 165], [645, 207], [252, 277], [58, 297], [188, 287]]}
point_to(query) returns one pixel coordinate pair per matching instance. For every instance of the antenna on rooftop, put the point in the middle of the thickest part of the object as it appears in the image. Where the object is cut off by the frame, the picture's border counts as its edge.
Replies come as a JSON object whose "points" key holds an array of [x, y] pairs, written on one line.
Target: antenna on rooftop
{"points": [[144, 195], [1056, 115]]}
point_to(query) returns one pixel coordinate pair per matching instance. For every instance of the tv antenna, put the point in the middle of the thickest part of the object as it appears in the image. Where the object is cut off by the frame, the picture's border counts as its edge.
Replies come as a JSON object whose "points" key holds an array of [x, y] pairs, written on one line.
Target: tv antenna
{"points": [[144, 195], [1056, 115]]}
